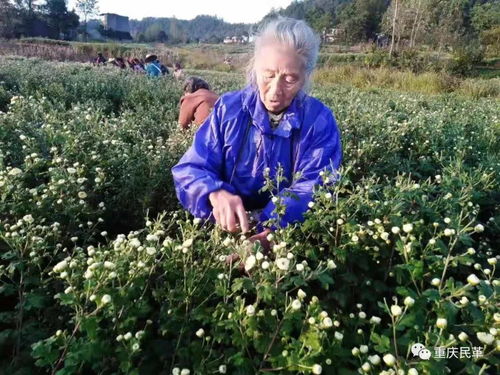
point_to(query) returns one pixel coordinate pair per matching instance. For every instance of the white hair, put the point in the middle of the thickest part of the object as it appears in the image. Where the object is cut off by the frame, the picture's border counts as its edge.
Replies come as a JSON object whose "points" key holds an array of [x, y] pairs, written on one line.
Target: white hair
{"points": [[292, 33]]}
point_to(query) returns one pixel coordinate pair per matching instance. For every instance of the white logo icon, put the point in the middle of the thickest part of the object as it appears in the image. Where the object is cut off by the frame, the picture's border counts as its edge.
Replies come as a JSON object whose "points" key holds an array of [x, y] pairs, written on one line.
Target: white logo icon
{"points": [[419, 350]]}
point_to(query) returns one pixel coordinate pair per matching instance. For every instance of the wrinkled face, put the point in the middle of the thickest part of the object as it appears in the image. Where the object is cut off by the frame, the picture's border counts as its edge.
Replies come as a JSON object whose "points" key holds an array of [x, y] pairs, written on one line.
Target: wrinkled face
{"points": [[280, 75]]}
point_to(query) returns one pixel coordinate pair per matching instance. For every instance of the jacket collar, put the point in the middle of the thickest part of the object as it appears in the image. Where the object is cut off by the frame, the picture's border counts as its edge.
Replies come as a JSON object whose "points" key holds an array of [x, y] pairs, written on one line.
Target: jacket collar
{"points": [[291, 119]]}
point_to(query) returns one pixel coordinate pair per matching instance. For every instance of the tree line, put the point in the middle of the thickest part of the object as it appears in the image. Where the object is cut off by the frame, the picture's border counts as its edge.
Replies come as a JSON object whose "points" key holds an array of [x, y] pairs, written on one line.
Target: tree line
{"points": [[436, 23], [207, 29], [49, 18], [395, 23]]}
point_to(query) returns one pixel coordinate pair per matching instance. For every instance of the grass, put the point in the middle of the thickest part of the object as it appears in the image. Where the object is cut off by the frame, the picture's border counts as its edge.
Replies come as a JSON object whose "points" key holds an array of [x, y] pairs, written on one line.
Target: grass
{"points": [[425, 83], [335, 65]]}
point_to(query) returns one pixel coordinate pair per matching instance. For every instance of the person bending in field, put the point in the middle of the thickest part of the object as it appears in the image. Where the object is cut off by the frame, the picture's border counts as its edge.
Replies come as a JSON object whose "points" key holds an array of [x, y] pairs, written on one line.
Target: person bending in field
{"points": [[272, 122], [100, 59], [153, 68], [178, 72], [197, 102]]}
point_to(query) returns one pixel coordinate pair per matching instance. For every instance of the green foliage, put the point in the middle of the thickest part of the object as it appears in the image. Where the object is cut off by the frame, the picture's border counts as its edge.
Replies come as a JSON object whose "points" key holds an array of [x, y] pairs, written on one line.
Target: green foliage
{"points": [[90, 286], [465, 59], [486, 16]]}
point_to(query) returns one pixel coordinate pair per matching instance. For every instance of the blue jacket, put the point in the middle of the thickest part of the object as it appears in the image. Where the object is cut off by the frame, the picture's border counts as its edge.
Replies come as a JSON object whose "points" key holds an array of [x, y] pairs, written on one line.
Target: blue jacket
{"points": [[153, 69], [238, 129]]}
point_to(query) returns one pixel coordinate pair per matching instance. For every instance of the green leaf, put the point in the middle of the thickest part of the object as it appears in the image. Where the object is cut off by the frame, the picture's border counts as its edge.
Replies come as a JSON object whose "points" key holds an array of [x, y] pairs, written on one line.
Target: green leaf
{"points": [[382, 343]]}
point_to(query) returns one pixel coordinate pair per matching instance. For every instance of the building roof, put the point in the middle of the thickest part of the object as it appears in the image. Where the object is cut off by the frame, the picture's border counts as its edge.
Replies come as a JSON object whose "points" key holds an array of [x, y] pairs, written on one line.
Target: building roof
{"points": [[112, 14]]}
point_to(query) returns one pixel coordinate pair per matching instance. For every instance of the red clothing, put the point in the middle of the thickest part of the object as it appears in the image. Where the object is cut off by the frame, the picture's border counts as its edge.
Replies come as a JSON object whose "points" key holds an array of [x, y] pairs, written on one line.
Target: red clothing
{"points": [[196, 107]]}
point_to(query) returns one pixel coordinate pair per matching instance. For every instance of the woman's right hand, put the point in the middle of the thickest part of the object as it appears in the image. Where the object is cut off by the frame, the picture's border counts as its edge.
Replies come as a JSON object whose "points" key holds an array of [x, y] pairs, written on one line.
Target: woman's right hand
{"points": [[229, 211]]}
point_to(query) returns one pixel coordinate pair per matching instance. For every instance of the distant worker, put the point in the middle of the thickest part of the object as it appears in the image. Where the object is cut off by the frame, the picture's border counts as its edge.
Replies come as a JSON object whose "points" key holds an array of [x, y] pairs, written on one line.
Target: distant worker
{"points": [[197, 102], [136, 65], [100, 59], [178, 72], [120, 62], [153, 68]]}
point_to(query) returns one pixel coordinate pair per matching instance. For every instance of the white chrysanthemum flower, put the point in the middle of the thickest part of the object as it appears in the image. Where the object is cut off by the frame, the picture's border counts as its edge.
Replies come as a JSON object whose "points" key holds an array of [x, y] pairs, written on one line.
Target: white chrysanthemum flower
{"points": [[61, 266], [296, 305], [317, 369], [310, 204], [185, 371], [448, 232], [479, 228], [88, 274], [485, 338], [412, 371], [106, 299], [363, 349], [492, 261], [374, 359], [200, 333], [82, 195], [435, 281], [331, 264], [375, 320], [222, 369], [338, 336], [265, 265], [366, 367], [396, 310], [109, 265], [283, 263], [389, 360], [441, 323], [355, 351], [462, 336], [301, 294], [327, 322], [259, 255], [250, 310], [473, 280], [407, 228], [409, 301], [300, 267], [250, 262]]}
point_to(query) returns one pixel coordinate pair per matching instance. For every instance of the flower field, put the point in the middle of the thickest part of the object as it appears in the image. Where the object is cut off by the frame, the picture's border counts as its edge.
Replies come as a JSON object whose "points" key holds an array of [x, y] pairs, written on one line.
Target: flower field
{"points": [[101, 272]]}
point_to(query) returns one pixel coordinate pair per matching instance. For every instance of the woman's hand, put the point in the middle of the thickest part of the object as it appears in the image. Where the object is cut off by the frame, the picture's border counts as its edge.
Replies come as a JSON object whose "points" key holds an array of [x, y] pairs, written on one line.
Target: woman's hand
{"points": [[229, 211]]}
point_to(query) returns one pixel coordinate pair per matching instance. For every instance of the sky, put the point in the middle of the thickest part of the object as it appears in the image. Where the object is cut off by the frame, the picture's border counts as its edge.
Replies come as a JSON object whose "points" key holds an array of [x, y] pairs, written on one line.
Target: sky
{"points": [[233, 11]]}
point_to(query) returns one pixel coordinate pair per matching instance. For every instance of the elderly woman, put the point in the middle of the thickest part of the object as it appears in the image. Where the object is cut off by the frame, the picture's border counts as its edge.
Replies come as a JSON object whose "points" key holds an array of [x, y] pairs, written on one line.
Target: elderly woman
{"points": [[197, 102], [270, 123]]}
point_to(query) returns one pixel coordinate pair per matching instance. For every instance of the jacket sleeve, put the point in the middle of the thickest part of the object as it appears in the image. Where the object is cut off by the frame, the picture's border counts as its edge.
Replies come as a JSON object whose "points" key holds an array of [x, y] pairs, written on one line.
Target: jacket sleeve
{"points": [[199, 171], [320, 149], [185, 114]]}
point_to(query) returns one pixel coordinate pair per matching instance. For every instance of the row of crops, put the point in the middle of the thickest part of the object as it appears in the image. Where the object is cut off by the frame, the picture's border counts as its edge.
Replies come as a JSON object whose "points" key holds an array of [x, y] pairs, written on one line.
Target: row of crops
{"points": [[102, 272]]}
